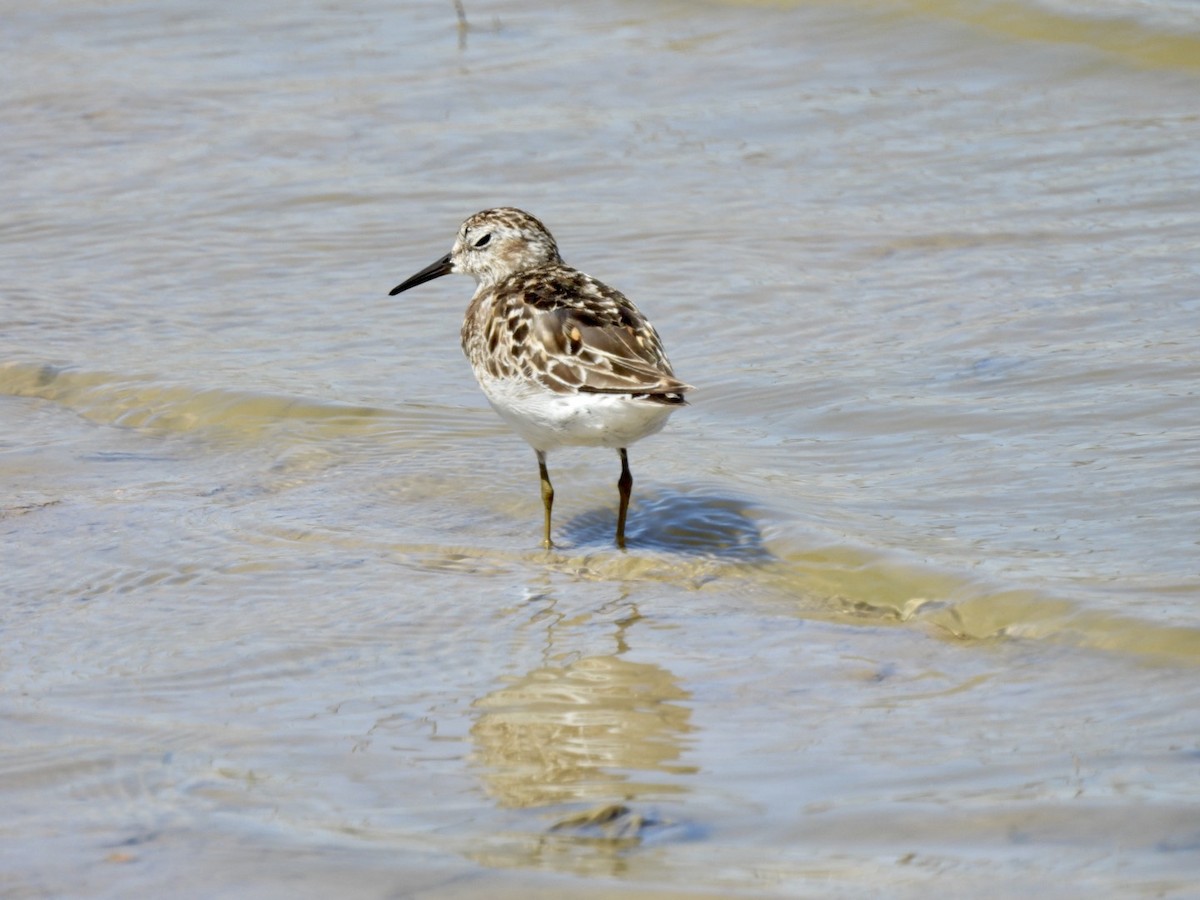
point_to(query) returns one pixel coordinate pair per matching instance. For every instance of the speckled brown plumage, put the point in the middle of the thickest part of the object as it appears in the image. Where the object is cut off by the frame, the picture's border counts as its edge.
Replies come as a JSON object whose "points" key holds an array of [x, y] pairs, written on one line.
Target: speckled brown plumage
{"points": [[563, 358], [568, 332]]}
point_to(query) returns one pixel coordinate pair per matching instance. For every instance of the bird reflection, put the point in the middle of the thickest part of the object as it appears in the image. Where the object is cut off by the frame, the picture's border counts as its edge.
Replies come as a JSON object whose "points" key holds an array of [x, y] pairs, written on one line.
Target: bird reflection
{"points": [[594, 739], [598, 729]]}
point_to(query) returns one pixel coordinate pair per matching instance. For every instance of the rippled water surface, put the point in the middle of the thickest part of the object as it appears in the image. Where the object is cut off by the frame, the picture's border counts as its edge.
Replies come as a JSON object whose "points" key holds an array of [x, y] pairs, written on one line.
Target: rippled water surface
{"points": [[912, 604]]}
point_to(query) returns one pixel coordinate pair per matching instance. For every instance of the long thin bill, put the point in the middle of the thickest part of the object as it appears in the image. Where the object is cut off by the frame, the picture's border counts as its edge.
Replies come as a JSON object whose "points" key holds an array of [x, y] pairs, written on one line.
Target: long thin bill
{"points": [[442, 267]]}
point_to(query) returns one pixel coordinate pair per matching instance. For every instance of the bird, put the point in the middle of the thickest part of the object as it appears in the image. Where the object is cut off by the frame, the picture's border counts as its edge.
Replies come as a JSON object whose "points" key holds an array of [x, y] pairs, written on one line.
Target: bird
{"points": [[563, 358]]}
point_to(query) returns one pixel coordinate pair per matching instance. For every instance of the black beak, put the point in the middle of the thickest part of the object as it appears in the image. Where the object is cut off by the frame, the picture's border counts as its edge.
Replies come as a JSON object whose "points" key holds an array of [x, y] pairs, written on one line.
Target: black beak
{"points": [[437, 270]]}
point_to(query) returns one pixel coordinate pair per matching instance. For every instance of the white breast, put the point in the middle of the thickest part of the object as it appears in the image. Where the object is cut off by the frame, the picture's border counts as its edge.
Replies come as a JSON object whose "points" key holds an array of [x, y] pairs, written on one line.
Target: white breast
{"points": [[548, 420]]}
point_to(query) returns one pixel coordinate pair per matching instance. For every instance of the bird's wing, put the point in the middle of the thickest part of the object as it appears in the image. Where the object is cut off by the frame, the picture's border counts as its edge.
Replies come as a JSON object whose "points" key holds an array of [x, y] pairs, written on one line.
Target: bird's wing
{"points": [[595, 341]]}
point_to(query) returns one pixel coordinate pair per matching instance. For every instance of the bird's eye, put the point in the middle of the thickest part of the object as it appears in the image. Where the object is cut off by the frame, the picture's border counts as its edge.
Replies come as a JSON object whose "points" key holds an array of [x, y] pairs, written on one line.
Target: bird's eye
{"points": [[482, 242]]}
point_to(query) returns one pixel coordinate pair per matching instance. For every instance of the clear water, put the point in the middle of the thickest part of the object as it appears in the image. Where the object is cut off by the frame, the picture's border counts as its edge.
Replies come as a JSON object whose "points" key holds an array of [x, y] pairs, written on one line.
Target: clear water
{"points": [[912, 600]]}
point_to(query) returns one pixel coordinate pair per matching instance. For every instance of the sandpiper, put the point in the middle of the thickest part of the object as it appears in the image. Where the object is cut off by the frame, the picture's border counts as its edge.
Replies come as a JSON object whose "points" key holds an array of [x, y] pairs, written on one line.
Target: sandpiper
{"points": [[563, 358]]}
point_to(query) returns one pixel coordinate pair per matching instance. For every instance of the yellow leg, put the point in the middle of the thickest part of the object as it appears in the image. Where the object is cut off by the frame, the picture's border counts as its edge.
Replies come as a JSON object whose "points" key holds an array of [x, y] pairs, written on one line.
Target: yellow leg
{"points": [[625, 487], [547, 496]]}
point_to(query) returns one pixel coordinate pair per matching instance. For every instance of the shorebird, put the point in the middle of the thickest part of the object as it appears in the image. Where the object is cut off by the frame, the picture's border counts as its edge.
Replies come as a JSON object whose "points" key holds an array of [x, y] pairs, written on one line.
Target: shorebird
{"points": [[563, 358]]}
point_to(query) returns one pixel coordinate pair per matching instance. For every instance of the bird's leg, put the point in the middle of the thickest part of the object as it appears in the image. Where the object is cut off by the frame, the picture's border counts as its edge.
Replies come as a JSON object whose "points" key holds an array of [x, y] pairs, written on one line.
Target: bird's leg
{"points": [[625, 487], [547, 496]]}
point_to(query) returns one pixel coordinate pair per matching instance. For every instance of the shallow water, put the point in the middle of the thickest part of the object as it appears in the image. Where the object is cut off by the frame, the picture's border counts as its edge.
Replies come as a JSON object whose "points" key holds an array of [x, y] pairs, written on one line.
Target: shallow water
{"points": [[912, 599]]}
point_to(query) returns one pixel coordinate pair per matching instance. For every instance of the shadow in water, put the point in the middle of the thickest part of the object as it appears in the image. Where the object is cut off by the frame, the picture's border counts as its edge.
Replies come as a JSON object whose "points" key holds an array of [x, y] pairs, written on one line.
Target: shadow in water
{"points": [[691, 523]]}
